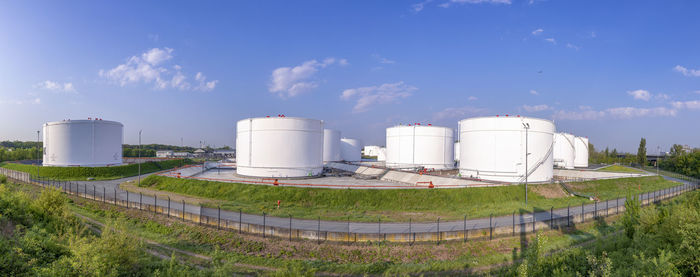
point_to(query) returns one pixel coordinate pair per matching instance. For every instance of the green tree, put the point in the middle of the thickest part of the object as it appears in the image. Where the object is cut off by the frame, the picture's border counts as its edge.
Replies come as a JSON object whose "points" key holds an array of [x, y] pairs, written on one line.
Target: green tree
{"points": [[642, 152], [676, 150]]}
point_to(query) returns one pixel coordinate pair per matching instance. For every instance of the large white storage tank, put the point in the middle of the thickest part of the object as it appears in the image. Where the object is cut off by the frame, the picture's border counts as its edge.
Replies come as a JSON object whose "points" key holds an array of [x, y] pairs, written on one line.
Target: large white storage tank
{"points": [[420, 146], [351, 150], [279, 147], [581, 159], [457, 148], [90, 143], [331, 145], [381, 156], [564, 150], [493, 148]]}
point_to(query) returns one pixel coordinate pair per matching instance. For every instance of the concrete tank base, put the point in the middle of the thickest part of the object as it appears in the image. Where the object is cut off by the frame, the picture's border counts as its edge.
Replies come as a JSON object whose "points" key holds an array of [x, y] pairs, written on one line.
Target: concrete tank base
{"points": [[278, 172]]}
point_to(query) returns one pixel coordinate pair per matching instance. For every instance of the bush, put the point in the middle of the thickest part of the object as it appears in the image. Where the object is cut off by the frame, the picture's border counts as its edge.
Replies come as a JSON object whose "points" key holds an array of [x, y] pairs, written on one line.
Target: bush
{"points": [[109, 172]]}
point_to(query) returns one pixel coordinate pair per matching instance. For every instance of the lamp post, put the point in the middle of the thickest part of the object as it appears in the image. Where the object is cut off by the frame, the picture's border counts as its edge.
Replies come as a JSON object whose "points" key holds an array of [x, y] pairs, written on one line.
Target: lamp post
{"points": [[527, 127], [139, 160], [37, 153], [658, 158]]}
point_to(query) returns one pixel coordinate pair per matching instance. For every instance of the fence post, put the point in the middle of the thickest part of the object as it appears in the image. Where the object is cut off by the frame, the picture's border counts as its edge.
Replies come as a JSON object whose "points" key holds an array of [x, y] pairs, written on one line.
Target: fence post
{"points": [[617, 204], [490, 227], [218, 222], [379, 229], [318, 231], [104, 195], [410, 232], [533, 220], [438, 231], [127, 199], [200, 215], [168, 205], [551, 217], [264, 217], [513, 223], [93, 193], [582, 213], [568, 216], [183, 210], [155, 204], [348, 229], [595, 213], [140, 201], [115, 197], [240, 221], [290, 227]]}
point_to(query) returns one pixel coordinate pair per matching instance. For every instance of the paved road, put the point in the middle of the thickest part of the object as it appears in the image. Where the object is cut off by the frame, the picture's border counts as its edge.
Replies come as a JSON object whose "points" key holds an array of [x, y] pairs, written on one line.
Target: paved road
{"points": [[111, 187]]}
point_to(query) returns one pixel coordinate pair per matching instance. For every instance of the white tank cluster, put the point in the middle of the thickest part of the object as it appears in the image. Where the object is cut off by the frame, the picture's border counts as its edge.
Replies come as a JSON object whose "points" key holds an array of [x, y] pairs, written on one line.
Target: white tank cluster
{"points": [[581, 146], [412, 146], [331, 145], [493, 148], [90, 143], [564, 150], [351, 150], [279, 147]]}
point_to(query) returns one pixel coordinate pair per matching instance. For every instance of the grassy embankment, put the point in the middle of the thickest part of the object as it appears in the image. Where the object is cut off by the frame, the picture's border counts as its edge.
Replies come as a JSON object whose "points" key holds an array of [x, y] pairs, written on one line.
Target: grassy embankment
{"points": [[98, 173], [396, 204], [619, 168]]}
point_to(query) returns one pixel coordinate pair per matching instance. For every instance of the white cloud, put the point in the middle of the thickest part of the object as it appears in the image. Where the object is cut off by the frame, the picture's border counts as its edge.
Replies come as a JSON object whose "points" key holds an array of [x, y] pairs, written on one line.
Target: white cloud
{"points": [[420, 6], [292, 81], [537, 32], [619, 112], [534, 92], [472, 98], [687, 72], [461, 112], [569, 45], [578, 115], [148, 68], [551, 40], [662, 96], [37, 100], [593, 35], [536, 108], [383, 59], [640, 94], [695, 104], [368, 96], [203, 84], [450, 2], [55, 86]]}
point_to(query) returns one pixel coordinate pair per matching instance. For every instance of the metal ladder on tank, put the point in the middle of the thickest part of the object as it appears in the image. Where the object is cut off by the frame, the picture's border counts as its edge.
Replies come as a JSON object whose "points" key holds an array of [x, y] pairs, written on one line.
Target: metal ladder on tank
{"points": [[539, 163]]}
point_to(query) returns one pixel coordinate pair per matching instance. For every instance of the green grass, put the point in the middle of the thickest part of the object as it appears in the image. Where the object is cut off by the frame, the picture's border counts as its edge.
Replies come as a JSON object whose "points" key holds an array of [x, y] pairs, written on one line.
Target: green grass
{"points": [[98, 173], [394, 204], [619, 168]]}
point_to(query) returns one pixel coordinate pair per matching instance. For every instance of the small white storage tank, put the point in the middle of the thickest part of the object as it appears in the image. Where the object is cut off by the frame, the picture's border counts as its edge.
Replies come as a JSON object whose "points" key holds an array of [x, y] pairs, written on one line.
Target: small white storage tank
{"points": [[381, 156], [581, 159], [331, 145], [420, 146], [493, 148], [564, 150], [279, 147], [90, 143], [456, 151], [350, 150]]}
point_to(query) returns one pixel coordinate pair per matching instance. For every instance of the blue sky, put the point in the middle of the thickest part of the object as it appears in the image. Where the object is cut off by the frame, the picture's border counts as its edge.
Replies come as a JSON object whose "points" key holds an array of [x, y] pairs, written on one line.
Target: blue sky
{"points": [[610, 70]]}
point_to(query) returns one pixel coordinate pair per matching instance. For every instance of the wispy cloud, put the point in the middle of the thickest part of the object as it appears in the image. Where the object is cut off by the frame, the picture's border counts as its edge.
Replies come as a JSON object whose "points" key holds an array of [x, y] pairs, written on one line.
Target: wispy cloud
{"points": [[383, 60], [694, 105], [569, 45], [551, 40], [640, 94], [35, 101], [537, 32], [150, 68], [472, 98], [687, 72], [292, 81], [534, 92], [458, 112], [536, 108], [417, 7], [56, 86], [385, 93], [619, 113], [451, 2]]}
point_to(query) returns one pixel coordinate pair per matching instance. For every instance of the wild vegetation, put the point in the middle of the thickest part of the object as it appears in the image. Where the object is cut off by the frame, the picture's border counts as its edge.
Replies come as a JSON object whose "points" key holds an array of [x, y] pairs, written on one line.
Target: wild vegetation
{"points": [[98, 173], [619, 168], [397, 204], [681, 162]]}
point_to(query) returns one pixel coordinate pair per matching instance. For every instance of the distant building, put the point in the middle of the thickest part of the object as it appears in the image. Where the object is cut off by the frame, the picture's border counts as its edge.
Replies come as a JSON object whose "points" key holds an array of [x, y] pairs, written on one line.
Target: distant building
{"points": [[371, 150], [164, 154], [199, 153], [687, 149], [224, 153], [181, 155]]}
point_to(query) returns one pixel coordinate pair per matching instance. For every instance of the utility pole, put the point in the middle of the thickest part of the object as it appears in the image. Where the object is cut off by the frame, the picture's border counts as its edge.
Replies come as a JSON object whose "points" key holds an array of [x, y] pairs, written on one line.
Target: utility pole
{"points": [[658, 159], [37, 154], [527, 127], [139, 161]]}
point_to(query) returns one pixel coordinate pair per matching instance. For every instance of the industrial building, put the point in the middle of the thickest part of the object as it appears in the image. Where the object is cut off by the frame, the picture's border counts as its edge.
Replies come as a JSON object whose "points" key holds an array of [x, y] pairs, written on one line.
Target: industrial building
{"points": [[494, 148], [90, 143], [424, 146], [279, 147]]}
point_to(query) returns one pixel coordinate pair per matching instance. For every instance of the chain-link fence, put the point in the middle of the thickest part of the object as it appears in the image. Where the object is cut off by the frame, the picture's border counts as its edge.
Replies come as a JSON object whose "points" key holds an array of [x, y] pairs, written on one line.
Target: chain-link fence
{"points": [[518, 223]]}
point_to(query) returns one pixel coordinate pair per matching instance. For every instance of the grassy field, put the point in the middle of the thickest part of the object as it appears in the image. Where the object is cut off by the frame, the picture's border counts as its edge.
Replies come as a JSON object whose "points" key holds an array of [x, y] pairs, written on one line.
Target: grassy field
{"points": [[98, 173], [397, 204], [619, 168]]}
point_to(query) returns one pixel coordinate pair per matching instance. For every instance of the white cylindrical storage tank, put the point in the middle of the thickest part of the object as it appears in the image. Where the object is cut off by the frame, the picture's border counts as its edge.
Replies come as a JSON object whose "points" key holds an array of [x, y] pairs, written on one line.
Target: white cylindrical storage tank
{"points": [[493, 148], [456, 147], [331, 145], [90, 143], [581, 145], [564, 150], [279, 147], [350, 149], [381, 156], [420, 146]]}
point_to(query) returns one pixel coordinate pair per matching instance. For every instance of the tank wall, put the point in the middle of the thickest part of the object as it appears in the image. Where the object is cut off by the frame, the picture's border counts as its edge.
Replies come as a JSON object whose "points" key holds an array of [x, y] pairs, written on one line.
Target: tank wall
{"points": [[279, 147], [351, 149], [581, 159], [331, 145], [416, 146], [493, 148], [90, 143], [564, 150]]}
